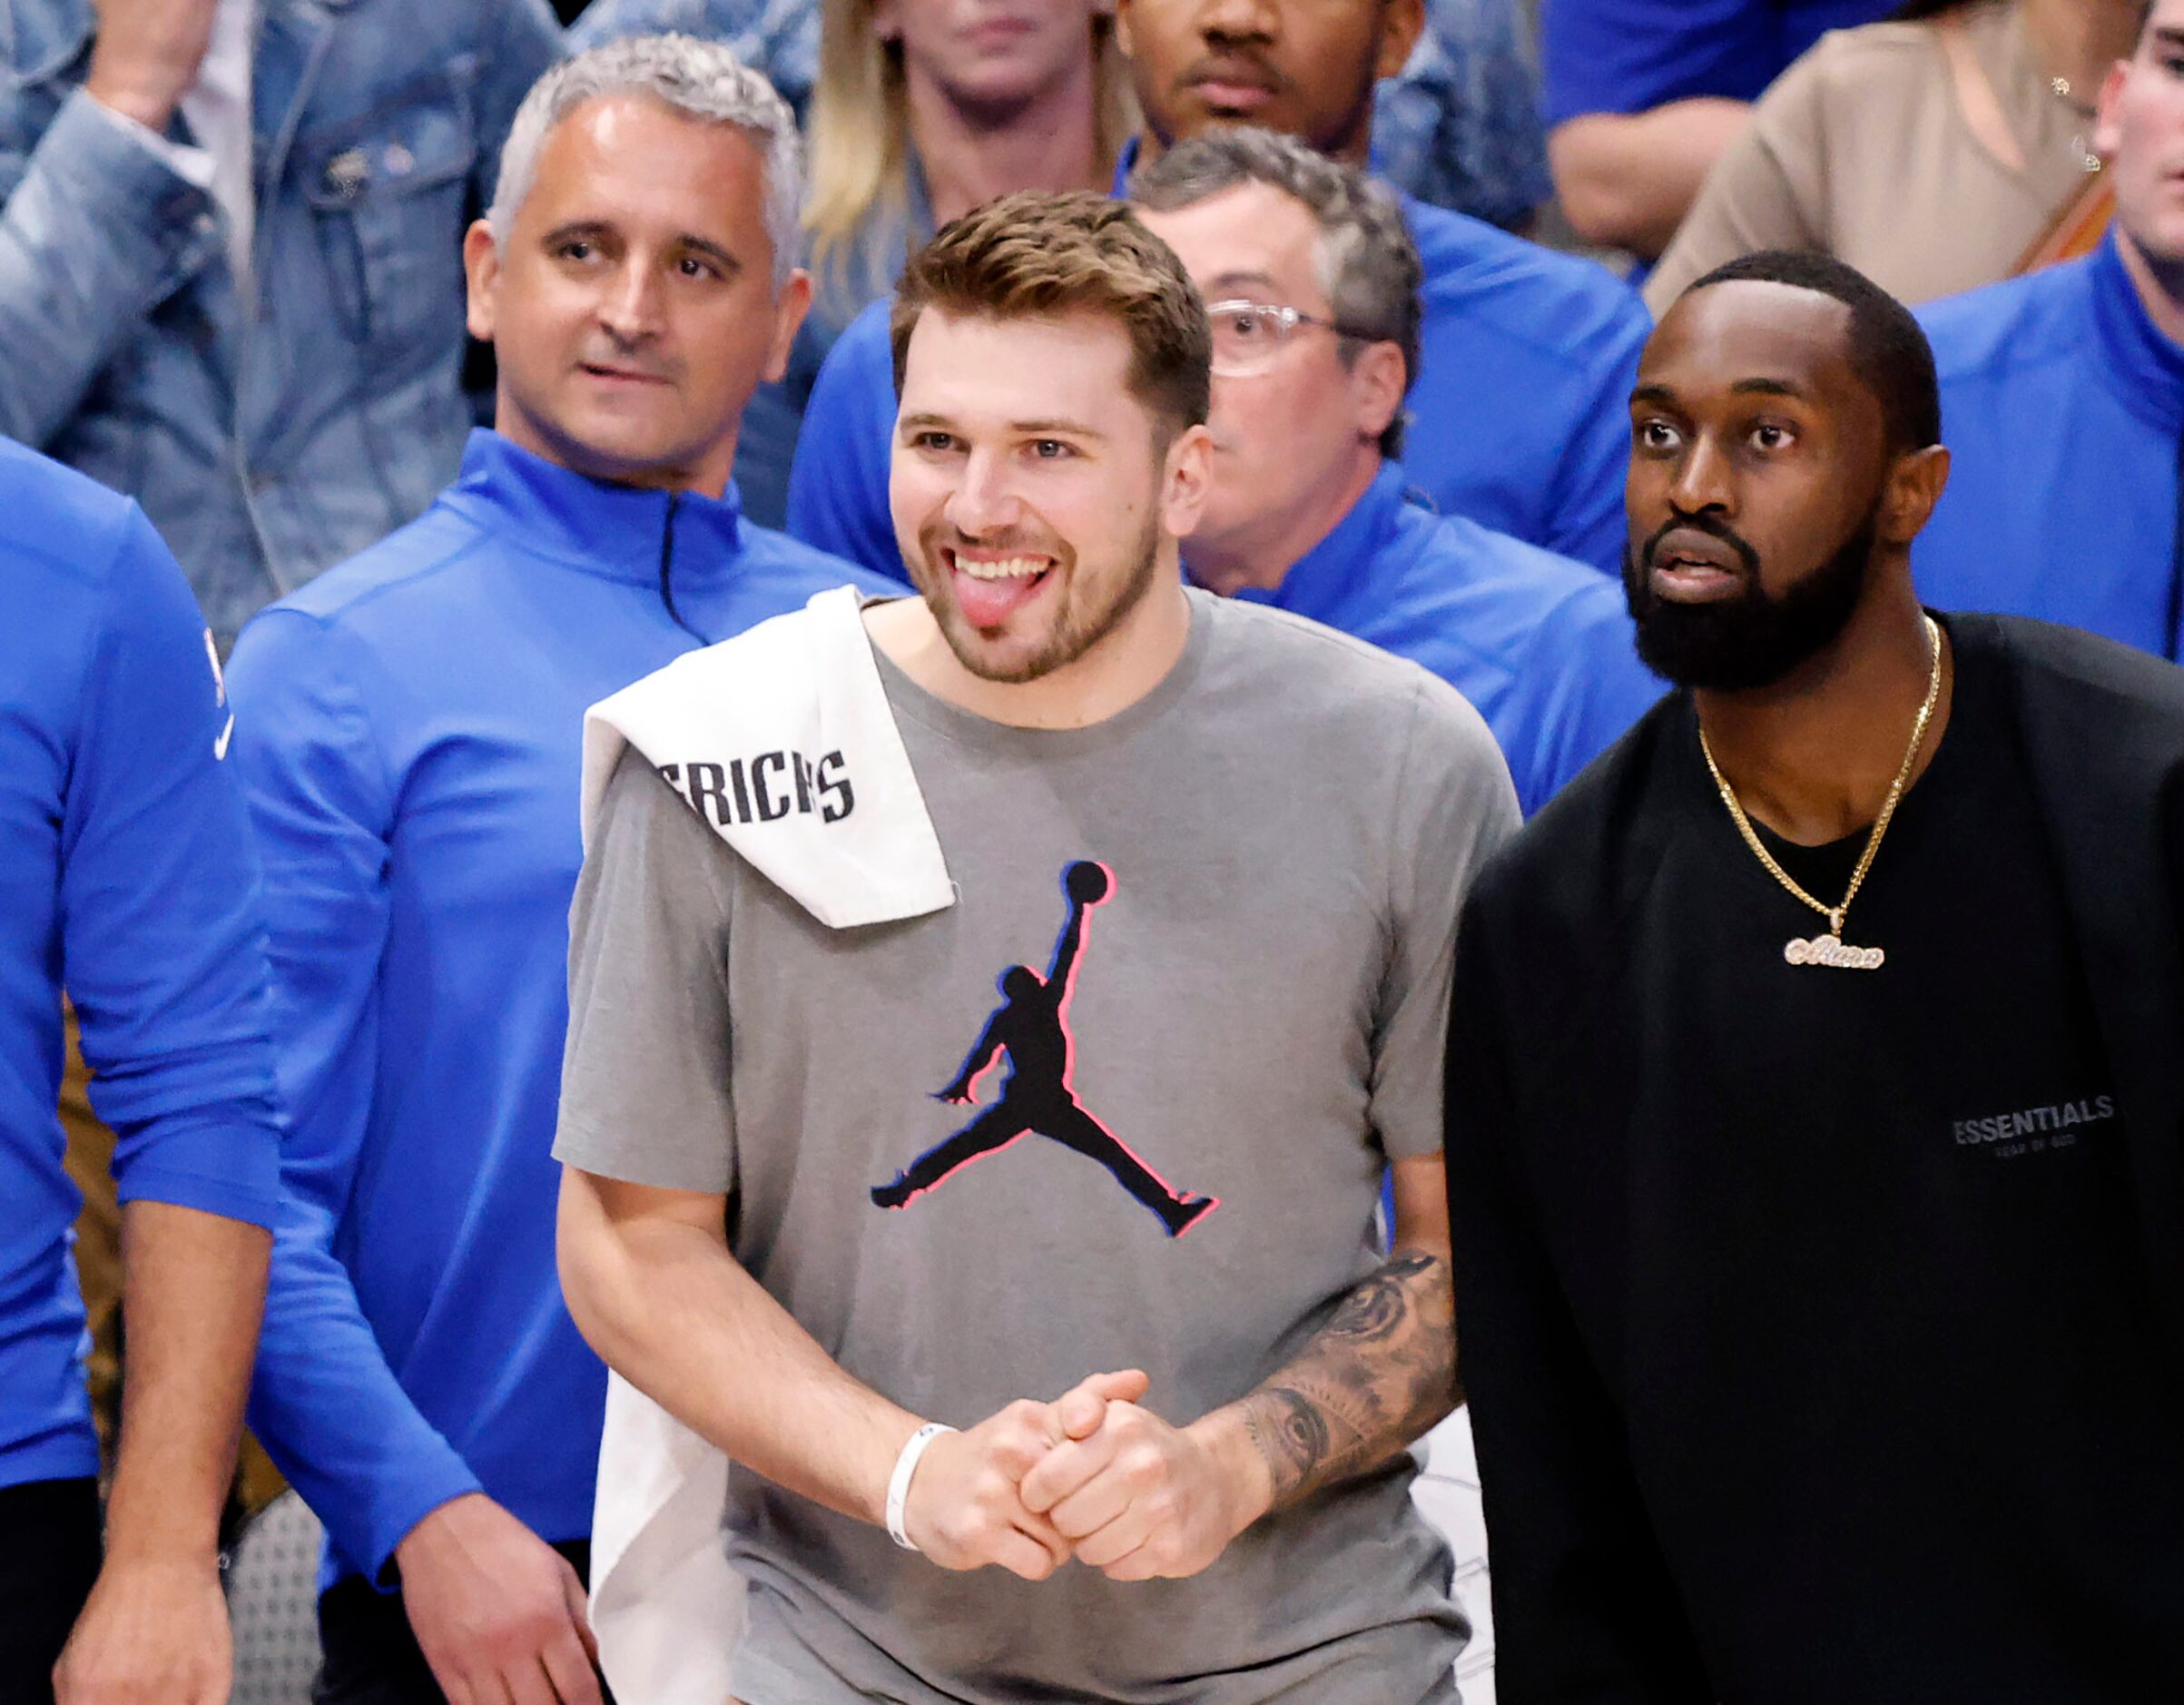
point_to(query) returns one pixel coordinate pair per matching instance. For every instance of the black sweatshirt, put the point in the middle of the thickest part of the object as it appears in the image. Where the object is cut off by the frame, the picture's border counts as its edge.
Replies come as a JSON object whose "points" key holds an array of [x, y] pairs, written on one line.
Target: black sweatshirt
{"points": [[1812, 1348]]}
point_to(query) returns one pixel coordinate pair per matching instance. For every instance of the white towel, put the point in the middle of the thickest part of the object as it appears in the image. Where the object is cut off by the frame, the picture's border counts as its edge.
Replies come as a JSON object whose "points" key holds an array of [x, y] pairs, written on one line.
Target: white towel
{"points": [[784, 735], [783, 740]]}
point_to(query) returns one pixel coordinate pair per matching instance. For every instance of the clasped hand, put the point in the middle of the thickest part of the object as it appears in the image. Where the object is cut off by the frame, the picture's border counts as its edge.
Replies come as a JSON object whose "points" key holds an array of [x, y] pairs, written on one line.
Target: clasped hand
{"points": [[1092, 1477]]}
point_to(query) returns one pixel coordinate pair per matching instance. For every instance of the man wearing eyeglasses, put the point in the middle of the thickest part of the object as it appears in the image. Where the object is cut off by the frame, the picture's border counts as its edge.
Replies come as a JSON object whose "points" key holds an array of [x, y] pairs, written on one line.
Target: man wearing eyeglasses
{"points": [[1312, 284], [1543, 344]]}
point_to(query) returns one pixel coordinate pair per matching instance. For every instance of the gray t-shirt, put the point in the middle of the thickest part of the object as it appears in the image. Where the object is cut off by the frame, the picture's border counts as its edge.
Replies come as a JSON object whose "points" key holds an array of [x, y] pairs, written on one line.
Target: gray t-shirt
{"points": [[1201, 950]]}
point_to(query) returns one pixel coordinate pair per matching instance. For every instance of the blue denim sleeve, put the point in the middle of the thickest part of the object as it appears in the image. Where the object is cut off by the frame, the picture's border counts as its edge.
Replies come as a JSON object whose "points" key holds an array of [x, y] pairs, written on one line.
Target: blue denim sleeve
{"points": [[838, 485], [323, 1401], [778, 37], [1460, 126], [522, 41], [98, 230], [162, 943]]}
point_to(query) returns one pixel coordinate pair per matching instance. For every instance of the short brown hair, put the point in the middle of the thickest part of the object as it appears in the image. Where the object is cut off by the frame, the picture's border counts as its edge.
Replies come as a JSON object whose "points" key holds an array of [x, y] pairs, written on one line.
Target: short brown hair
{"points": [[1039, 256]]}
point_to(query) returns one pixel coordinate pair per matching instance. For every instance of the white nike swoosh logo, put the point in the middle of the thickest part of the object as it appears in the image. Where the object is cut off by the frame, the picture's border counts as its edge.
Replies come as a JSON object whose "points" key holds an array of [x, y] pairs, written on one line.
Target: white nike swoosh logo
{"points": [[220, 746]]}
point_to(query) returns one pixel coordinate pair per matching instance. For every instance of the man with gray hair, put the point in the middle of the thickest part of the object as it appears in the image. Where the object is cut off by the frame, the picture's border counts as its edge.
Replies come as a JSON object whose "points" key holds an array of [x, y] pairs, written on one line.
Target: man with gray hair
{"points": [[408, 733], [1311, 282]]}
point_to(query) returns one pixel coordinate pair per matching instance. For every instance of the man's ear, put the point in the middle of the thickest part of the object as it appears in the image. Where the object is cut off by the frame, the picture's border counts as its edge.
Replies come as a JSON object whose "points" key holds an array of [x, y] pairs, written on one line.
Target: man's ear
{"points": [[789, 309], [1378, 380], [1186, 479], [1915, 482], [2108, 123], [481, 272], [1403, 22]]}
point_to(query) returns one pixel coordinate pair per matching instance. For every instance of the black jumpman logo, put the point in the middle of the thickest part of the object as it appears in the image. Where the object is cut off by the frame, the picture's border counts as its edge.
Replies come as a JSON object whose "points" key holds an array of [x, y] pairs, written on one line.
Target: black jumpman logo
{"points": [[1032, 1026]]}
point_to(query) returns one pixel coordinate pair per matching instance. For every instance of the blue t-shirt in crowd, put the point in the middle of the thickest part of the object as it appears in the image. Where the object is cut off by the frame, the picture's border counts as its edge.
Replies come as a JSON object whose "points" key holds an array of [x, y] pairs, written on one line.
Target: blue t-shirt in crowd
{"points": [[1519, 412], [1630, 56], [410, 748], [1542, 647], [126, 876], [2062, 406]]}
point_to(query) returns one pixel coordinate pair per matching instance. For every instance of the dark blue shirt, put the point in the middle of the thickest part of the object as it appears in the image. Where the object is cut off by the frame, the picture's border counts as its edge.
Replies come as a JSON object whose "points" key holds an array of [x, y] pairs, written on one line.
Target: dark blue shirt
{"points": [[126, 876], [1519, 412], [412, 730], [1630, 56], [2062, 406], [1542, 647]]}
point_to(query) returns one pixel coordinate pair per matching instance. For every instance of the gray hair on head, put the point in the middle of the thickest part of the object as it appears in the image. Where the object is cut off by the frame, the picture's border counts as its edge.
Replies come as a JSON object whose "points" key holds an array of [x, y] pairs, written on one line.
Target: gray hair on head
{"points": [[1368, 264], [698, 80]]}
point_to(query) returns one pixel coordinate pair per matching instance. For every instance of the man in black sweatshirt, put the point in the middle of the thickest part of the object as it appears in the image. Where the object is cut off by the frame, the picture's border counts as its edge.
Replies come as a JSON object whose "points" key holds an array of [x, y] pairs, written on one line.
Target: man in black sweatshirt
{"points": [[1816, 1092]]}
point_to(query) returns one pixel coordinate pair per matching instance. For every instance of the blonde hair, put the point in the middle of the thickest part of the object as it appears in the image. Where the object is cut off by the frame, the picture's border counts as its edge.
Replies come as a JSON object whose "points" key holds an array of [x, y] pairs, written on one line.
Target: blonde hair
{"points": [[1039, 256], [858, 130]]}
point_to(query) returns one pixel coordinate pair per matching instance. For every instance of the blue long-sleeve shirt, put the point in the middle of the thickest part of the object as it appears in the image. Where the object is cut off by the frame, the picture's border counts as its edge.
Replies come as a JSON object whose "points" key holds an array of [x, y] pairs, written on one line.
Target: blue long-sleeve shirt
{"points": [[2062, 406], [1543, 647], [126, 876], [410, 743], [1520, 410]]}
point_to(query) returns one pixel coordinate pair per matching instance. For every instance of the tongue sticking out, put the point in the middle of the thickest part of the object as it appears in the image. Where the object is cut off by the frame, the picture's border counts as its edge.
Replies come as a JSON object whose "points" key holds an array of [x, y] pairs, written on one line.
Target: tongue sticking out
{"points": [[989, 603]]}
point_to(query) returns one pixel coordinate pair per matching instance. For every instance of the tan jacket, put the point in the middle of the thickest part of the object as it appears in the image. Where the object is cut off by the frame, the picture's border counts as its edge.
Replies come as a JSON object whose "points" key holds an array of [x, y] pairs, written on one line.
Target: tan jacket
{"points": [[1861, 151]]}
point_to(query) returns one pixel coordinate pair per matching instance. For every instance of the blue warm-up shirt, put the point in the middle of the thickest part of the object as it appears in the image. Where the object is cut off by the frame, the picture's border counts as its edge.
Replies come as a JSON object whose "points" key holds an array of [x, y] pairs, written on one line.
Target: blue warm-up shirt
{"points": [[126, 877], [1631, 56], [1543, 647], [2062, 406], [1520, 410], [410, 745]]}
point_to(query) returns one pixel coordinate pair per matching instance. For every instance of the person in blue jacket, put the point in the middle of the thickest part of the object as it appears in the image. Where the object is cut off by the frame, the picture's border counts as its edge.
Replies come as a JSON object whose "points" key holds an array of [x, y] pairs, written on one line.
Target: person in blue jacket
{"points": [[1543, 345], [411, 752], [2063, 394], [1311, 282], [1640, 98], [126, 876]]}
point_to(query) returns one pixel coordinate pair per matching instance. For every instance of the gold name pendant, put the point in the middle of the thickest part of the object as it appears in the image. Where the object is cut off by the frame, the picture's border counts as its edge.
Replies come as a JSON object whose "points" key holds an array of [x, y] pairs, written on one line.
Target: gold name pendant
{"points": [[1830, 950]]}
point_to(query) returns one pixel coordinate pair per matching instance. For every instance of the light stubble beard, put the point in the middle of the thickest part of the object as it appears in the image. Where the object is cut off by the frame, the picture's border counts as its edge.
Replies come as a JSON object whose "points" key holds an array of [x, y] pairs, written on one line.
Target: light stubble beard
{"points": [[1074, 631]]}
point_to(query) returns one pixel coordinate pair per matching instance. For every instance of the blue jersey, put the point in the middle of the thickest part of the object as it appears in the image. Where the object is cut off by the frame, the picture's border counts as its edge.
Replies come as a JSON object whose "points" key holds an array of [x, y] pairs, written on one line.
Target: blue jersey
{"points": [[126, 876], [2062, 406], [1519, 412], [410, 748], [1630, 56], [1542, 647]]}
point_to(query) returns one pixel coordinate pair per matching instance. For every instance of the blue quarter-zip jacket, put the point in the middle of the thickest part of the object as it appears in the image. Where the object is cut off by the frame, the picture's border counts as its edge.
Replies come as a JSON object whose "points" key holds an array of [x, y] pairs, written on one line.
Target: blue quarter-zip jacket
{"points": [[2062, 406], [1520, 410], [126, 875], [1543, 646], [409, 740]]}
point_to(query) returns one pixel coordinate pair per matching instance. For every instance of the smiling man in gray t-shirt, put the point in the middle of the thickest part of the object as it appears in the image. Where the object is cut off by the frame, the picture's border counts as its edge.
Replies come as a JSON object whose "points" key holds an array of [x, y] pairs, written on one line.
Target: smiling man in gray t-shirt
{"points": [[1086, 1163]]}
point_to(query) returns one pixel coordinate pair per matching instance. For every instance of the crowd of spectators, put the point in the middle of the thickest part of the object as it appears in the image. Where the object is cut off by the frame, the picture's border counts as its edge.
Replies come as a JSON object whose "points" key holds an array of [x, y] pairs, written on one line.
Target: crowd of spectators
{"points": [[297, 277]]}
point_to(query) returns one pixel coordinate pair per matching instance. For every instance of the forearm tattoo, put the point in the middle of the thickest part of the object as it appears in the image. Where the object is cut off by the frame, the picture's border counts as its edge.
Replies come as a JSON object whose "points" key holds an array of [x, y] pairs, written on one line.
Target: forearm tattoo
{"points": [[1376, 1376]]}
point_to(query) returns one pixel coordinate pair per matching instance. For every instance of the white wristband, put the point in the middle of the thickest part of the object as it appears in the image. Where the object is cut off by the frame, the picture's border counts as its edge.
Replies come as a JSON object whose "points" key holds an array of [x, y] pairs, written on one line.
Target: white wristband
{"points": [[898, 1482]]}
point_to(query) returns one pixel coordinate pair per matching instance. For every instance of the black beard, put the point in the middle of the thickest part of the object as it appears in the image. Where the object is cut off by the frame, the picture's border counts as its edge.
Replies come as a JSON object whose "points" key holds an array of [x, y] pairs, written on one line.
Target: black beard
{"points": [[1741, 644]]}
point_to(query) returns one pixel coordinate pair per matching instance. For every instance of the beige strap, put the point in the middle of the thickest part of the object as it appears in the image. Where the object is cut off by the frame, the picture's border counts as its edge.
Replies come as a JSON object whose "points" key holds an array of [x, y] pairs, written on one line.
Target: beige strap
{"points": [[1975, 96], [2076, 230]]}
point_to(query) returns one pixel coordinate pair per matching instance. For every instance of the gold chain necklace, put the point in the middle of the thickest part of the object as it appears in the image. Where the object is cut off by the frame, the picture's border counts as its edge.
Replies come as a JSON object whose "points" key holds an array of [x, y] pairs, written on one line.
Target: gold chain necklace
{"points": [[1829, 949]]}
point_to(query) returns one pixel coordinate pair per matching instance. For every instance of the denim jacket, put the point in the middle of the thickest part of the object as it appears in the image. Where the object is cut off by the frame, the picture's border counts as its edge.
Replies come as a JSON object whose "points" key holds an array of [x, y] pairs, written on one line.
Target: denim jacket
{"points": [[271, 437]]}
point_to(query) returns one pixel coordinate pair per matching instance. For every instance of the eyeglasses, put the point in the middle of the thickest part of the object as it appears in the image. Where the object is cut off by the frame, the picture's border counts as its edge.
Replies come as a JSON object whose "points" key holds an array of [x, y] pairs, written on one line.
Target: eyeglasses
{"points": [[1248, 336]]}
